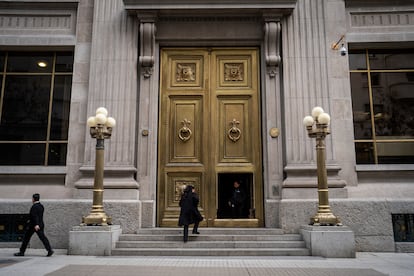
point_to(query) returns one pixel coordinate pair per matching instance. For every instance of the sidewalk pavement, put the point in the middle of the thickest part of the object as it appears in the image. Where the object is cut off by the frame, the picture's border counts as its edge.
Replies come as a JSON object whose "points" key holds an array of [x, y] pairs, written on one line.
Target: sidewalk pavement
{"points": [[34, 263]]}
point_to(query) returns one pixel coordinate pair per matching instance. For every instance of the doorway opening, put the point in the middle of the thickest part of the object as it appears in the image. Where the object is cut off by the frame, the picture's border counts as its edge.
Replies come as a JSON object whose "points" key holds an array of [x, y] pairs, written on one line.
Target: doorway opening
{"points": [[235, 199]]}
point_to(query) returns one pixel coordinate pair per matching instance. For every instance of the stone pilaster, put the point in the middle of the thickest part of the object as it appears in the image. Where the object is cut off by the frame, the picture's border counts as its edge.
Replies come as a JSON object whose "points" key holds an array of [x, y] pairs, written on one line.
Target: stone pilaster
{"points": [[148, 117], [342, 125], [272, 124], [112, 84], [307, 84]]}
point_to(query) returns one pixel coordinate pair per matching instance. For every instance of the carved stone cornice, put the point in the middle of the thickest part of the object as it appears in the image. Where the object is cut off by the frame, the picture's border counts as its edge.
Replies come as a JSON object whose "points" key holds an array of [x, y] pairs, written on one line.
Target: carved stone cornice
{"points": [[378, 3], [272, 46], [285, 6]]}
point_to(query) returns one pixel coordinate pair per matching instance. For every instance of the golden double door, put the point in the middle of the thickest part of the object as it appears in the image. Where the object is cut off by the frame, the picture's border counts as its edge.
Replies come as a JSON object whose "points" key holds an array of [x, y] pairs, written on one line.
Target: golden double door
{"points": [[209, 134]]}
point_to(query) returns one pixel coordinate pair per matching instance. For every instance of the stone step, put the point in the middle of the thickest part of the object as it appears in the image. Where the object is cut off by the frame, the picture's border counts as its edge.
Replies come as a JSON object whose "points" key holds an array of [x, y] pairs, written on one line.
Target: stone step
{"points": [[210, 237], [217, 231], [210, 252], [210, 244]]}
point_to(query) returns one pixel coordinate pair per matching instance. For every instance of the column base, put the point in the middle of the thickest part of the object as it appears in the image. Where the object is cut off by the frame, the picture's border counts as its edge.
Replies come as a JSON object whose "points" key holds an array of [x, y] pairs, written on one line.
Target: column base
{"points": [[302, 180]]}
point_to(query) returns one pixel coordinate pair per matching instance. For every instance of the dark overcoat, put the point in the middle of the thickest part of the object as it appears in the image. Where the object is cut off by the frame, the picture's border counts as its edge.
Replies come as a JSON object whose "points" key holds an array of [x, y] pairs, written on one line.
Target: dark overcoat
{"points": [[189, 213]]}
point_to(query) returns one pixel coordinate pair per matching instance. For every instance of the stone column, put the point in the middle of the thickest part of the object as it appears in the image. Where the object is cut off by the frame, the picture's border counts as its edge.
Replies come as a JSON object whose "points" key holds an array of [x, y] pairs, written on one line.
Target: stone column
{"points": [[342, 125], [307, 83], [80, 80], [112, 84]]}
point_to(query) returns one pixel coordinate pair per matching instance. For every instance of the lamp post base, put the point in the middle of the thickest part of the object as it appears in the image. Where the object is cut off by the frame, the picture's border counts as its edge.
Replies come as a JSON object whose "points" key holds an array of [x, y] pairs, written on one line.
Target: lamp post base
{"points": [[97, 219], [329, 241], [93, 240], [325, 219]]}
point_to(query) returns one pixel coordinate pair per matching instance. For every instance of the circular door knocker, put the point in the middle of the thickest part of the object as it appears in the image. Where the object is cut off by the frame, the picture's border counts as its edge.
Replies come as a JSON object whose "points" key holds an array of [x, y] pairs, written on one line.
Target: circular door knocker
{"points": [[185, 132], [234, 133]]}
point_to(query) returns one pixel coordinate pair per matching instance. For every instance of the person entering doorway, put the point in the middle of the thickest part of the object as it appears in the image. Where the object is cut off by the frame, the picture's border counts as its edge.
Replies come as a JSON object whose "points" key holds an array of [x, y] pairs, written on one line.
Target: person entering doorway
{"points": [[189, 213]]}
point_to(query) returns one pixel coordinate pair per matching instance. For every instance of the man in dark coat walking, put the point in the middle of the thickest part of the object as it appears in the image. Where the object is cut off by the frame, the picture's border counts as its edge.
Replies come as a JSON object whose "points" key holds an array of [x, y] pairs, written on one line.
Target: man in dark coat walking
{"points": [[189, 212], [35, 224]]}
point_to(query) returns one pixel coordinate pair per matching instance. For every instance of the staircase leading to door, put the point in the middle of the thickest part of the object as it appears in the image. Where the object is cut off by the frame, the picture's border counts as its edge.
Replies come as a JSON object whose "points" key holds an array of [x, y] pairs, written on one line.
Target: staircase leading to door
{"points": [[211, 242]]}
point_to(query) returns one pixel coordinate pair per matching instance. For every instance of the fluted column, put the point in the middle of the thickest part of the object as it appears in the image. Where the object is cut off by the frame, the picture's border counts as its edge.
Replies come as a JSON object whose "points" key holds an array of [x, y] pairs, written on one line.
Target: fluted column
{"points": [[306, 84], [112, 83]]}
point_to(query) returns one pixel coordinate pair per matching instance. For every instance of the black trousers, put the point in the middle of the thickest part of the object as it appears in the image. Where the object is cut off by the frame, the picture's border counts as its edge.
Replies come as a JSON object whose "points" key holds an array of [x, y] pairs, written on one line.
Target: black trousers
{"points": [[195, 228], [28, 235], [237, 211]]}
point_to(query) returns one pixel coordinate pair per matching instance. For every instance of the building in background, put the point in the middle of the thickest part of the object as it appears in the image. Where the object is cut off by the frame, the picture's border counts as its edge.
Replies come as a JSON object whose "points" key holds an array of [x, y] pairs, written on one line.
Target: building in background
{"points": [[205, 93]]}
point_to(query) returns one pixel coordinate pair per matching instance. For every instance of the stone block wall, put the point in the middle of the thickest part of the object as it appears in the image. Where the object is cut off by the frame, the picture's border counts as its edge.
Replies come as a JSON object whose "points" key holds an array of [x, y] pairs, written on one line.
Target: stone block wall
{"points": [[60, 216], [370, 219]]}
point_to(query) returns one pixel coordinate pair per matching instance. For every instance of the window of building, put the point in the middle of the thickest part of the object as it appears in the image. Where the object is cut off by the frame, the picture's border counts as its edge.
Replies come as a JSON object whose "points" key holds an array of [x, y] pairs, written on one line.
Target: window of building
{"points": [[403, 226], [34, 107], [382, 85]]}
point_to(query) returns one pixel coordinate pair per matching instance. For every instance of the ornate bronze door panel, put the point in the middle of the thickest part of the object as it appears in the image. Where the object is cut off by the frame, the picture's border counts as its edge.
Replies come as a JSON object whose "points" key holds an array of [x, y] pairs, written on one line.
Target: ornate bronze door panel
{"points": [[209, 132]]}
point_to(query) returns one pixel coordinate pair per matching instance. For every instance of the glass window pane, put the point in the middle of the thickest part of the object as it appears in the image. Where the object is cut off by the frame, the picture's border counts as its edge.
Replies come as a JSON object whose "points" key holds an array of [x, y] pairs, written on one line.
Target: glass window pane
{"points": [[40, 62], [391, 59], [2, 59], [61, 107], [25, 108], [22, 154], [393, 100], [64, 62], [360, 106], [57, 154], [364, 153], [395, 153], [357, 60]]}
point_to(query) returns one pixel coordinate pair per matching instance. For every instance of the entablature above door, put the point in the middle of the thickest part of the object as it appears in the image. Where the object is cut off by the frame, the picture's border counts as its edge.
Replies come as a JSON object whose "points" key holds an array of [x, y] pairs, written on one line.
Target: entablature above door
{"points": [[212, 22]]}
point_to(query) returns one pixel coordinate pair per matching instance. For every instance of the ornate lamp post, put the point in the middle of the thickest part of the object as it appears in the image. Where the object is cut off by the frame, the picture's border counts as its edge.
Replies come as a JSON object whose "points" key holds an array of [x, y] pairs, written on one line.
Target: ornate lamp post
{"points": [[101, 129], [317, 127]]}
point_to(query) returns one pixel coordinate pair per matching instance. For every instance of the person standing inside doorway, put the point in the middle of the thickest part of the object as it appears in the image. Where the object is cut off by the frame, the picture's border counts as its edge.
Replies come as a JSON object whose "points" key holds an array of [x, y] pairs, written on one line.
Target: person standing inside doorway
{"points": [[237, 201], [35, 225], [189, 213]]}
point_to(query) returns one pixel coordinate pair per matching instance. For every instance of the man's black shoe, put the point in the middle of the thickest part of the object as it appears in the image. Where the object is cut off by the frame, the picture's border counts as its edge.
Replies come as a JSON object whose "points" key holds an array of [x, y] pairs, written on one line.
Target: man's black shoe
{"points": [[196, 232], [19, 254], [50, 253]]}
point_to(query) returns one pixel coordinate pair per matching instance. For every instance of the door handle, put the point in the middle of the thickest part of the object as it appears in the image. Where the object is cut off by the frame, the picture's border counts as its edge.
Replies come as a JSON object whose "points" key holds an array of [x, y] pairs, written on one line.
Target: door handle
{"points": [[234, 132], [185, 132]]}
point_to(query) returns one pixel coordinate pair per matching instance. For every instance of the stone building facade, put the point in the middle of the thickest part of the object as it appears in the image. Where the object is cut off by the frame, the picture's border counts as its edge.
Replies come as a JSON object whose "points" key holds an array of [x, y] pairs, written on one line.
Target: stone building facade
{"points": [[133, 57]]}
